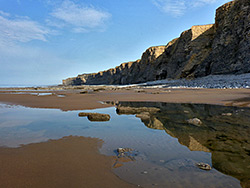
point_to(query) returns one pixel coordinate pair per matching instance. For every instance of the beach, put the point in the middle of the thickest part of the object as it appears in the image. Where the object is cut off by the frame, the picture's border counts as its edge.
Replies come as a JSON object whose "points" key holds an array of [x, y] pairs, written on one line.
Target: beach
{"points": [[67, 162], [107, 94], [94, 169], [90, 99]]}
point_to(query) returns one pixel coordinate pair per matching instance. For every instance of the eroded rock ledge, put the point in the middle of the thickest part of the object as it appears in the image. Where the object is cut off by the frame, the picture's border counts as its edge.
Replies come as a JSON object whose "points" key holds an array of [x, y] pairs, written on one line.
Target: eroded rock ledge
{"points": [[220, 48]]}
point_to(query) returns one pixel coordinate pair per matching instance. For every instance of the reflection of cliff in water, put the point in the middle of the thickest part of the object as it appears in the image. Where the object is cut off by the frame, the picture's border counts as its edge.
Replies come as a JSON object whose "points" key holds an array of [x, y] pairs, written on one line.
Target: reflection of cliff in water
{"points": [[225, 131]]}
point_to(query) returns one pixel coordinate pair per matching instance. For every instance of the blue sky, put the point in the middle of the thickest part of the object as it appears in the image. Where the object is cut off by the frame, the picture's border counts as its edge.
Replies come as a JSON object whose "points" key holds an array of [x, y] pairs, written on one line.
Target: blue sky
{"points": [[45, 41]]}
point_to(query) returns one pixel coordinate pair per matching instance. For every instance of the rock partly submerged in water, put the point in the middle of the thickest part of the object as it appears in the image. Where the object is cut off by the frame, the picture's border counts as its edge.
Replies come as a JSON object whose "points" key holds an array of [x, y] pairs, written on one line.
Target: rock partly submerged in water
{"points": [[95, 116], [143, 115], [204, 166], [135, 110], [121, 151], [124, 155]]}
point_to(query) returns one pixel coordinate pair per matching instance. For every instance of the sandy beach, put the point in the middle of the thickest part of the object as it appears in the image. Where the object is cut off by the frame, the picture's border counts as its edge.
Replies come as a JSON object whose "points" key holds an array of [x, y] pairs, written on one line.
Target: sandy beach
{"points": [[31, 162], [58, 163], [73, 100]]}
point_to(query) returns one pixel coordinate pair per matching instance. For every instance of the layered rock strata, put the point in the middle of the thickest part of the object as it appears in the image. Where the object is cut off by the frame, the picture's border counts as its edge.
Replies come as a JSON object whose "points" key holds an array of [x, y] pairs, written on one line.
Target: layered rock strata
{"points": [[220, 48]]}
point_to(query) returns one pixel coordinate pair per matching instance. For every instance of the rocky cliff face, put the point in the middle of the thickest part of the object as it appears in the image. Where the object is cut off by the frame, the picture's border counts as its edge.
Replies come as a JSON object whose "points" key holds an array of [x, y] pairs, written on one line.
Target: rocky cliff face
{"points": [[131, 72], [220, 48], [230, 49]]}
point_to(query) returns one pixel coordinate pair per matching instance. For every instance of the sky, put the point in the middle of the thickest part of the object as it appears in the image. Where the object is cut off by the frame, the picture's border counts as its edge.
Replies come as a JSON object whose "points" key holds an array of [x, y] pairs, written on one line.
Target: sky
{"points": [[45, 41]]}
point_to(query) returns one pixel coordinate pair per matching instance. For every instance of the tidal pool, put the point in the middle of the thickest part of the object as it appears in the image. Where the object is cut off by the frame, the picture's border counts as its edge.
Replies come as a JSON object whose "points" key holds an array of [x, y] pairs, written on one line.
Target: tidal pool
{"points": [[167, 147]]}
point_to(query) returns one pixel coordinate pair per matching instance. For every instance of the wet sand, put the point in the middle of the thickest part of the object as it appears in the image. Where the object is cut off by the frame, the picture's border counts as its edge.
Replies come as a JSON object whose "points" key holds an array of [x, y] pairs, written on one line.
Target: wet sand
{"points": [[76, 101], [74, 161], [67, 162]]}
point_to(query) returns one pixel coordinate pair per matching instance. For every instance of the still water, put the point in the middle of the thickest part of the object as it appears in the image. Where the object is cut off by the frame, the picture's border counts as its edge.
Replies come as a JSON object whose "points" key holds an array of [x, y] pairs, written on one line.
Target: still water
{"points": [[166, 146]]}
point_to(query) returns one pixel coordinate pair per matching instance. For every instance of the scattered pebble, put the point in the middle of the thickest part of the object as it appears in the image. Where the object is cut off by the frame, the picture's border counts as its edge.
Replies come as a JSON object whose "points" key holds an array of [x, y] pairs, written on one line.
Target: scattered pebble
{"points": [[204, 166], [211, 81]]}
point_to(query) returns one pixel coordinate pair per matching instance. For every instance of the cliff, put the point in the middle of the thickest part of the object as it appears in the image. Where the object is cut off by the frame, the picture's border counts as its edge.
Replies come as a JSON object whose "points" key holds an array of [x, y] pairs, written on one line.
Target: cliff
{"points": [[220, 48], [131, 72]]}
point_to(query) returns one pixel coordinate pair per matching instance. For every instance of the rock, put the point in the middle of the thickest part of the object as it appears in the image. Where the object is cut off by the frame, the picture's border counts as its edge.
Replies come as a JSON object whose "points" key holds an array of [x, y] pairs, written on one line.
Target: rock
{"points": [[220, 48], [83, 114], [204, 166], [143, 115], [195, 121], [156, 92], [226, 114], [140, 90], [86, 91], [95, 116], [123, 150], [136, 110], [98, 117], [126, 153]]}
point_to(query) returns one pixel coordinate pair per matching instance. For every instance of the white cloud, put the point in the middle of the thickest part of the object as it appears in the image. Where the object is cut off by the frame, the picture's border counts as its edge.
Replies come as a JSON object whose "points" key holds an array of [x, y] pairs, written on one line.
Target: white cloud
{"points": [[68, 15], [178, 7], [58, 25], [20, 29], [4, 13], [80, 18], [173, 7], [80, 30], [199, 3]]}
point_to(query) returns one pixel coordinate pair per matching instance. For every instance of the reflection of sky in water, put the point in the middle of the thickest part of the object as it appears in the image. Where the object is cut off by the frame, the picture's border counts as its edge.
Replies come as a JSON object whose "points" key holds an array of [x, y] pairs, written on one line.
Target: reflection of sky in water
{"points": [[157, 149], [32, 93]]}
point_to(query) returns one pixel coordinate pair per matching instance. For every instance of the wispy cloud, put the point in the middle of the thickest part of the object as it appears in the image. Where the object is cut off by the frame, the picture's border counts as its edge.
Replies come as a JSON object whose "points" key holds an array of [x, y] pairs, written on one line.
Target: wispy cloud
{"points": [[20, 29], [78, 17], [175, 8], [2, 13], [199, 3], [178, 8], [66, 16]]}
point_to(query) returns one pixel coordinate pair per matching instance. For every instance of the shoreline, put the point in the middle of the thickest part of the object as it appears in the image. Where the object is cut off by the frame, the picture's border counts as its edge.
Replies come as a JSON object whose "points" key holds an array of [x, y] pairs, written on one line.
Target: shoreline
{"points": [[98, 164], [50, 164], [68, 100]]}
